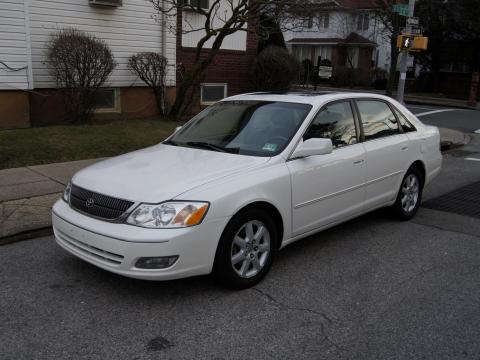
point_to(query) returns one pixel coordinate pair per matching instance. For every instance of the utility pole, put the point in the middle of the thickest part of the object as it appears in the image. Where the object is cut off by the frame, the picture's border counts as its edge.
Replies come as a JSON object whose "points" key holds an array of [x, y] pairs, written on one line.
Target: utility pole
{"points": [[403, 61]]}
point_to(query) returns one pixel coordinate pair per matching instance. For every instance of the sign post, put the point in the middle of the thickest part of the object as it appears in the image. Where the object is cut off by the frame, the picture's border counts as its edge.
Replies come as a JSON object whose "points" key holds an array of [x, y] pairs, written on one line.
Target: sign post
{"points": [[403, 61], [472, 101]]}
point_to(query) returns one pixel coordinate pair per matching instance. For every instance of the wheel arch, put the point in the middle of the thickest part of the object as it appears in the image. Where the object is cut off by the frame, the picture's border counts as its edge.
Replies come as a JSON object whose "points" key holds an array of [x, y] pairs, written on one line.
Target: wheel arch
{"points": [[271, 210], [420, 166]]}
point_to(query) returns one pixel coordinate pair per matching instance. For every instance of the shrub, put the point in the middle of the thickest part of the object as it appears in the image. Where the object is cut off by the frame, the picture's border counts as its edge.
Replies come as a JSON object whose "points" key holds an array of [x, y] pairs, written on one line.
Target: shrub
{"points": [[275, 69], [343, 76], [80, 63], [151, 68], [346, 77]]}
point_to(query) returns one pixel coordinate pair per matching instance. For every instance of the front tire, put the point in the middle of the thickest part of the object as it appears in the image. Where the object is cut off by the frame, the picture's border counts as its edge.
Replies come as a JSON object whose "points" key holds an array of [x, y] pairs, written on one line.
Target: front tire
{"points": [[409, 196], [246, 249]]}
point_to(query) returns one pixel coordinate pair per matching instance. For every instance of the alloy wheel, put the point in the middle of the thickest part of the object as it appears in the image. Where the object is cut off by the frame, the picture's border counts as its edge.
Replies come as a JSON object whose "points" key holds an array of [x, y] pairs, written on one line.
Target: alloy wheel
{"points": [[250, 249], [410, 193]]}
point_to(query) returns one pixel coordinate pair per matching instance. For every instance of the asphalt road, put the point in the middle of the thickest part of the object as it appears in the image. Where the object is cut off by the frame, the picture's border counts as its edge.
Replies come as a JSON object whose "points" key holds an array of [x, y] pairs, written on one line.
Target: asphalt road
{"points": [[459, 119], [369, 289]]}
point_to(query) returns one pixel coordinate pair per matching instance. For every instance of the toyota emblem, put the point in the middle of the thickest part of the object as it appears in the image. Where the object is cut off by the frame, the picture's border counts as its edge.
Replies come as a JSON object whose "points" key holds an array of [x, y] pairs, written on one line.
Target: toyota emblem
{"points": [[90, 202]]}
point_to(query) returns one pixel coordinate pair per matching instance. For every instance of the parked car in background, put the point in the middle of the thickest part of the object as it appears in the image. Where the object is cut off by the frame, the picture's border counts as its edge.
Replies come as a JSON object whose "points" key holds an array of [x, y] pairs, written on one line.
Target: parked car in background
{"points": [[243, 179]]}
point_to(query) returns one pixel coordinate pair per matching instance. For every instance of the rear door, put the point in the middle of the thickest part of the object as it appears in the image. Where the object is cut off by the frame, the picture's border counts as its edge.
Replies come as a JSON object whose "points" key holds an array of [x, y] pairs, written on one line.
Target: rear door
{"points": [[386, 148], [328, 188]]}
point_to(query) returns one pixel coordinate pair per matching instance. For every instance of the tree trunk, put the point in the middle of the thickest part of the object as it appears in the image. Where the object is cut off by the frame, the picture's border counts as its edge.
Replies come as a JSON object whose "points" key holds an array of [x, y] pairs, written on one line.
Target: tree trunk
{"points": [[159, 93]]}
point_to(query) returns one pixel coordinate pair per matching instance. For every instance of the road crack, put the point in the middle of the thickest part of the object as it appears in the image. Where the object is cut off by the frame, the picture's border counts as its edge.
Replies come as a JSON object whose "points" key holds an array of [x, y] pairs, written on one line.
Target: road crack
{"points": [[322, 315]]}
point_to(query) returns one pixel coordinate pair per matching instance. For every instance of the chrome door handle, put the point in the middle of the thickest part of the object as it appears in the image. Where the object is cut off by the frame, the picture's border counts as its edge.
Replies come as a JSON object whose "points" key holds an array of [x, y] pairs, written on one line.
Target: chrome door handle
{"points": [[358, 162], [405, 148]]}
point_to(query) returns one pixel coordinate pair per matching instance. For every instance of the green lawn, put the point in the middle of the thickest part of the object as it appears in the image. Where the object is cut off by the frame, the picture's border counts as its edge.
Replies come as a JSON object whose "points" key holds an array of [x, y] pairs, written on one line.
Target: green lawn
{"points": [[51, 144]]}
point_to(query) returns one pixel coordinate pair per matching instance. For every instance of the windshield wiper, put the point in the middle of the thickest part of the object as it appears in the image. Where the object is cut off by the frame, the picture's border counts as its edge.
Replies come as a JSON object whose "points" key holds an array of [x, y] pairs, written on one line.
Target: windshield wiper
{"points": [[211, 146], [170, 142]]}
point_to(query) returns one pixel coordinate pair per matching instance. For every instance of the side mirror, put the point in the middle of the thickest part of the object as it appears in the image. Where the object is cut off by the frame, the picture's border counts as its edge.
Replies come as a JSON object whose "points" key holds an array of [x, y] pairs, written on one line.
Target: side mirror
{"points": [[313, 146]]}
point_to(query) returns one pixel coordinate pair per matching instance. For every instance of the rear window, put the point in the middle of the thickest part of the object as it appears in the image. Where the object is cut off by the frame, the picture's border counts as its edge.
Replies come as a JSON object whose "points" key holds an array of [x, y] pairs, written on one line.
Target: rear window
{"points": [[378, 119]]}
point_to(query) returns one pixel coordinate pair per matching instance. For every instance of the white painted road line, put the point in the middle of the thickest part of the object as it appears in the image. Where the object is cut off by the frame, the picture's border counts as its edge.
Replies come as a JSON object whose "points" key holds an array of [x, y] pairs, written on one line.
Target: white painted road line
{"points": [[435, 112], [472, 159]]}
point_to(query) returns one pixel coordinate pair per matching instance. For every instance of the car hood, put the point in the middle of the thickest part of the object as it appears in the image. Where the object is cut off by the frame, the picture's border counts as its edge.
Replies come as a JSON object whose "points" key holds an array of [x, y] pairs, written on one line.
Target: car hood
{"points": [[161, 172]]}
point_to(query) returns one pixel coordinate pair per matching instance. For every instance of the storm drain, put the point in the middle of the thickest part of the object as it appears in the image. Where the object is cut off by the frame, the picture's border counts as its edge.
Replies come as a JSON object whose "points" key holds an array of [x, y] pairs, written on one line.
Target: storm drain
{"points": [[464, 201]]}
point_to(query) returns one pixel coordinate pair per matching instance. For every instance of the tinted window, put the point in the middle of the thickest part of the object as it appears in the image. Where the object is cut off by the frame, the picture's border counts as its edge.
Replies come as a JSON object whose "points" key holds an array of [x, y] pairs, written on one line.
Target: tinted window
{"points": [[334, 122], [377, 119], [260, 128], [404, 123]]}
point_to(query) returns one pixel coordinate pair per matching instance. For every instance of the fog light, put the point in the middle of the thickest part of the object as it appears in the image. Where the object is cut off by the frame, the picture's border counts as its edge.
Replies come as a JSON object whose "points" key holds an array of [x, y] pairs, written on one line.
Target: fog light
{"points": [[161, 262]]}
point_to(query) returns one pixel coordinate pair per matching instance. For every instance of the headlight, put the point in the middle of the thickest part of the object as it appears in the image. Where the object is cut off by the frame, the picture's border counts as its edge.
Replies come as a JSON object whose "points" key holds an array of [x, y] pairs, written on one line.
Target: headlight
{"points": [[169, 215], [66, 192]]}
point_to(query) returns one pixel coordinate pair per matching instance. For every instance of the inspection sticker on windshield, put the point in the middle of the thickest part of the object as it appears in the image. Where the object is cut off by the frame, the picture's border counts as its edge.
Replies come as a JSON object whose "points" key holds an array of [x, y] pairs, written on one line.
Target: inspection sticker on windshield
{"points": [[269, 147]]}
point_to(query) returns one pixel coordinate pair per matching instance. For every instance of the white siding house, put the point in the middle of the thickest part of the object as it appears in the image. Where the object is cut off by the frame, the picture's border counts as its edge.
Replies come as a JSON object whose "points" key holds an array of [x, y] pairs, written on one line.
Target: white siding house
{"points": [[26, 27], [127, 29], [14, 57]]}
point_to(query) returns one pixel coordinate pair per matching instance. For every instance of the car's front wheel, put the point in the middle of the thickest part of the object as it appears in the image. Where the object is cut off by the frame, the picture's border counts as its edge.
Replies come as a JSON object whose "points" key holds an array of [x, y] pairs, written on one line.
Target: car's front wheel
{"points": [[409, 196], [246, 249]]}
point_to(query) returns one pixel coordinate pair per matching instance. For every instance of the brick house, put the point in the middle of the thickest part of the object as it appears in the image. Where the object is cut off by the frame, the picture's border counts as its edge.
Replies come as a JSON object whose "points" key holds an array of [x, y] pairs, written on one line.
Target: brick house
{"points": [[346, 32]]}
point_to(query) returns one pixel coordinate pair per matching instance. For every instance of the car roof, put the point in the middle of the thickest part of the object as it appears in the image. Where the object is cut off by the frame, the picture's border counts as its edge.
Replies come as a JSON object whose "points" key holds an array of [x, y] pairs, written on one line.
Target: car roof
{"points": [[306, 97]]}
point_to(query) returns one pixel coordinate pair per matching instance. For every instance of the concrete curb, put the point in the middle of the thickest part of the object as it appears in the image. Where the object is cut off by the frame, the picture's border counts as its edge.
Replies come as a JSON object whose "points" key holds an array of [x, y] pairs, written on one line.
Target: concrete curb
{"points": [[26, 235], [439, 102]]}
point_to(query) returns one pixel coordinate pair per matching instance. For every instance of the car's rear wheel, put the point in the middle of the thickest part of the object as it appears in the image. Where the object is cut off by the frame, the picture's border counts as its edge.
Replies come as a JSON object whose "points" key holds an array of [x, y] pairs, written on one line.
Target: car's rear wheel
{"points": [[409, 196], [246, 249]]}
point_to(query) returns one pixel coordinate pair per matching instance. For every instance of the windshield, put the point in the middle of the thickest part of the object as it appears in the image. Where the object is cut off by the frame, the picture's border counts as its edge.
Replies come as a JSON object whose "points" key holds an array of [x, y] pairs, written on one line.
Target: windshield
{"points": [[258, 128]]}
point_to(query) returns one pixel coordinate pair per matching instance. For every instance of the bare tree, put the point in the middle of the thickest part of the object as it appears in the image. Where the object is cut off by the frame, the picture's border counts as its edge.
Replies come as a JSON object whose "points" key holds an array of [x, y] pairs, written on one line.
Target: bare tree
{"points": [[151, 68], [80, 63], [216, 21]]}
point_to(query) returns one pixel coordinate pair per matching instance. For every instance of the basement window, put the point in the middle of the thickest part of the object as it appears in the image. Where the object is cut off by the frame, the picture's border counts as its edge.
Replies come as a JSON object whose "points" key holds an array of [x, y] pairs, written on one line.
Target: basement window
{"points": [[107, 100], [211, 93]]}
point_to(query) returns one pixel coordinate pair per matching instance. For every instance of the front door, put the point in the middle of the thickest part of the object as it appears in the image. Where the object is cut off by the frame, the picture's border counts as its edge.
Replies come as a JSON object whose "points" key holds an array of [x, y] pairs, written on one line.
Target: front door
{"points": [[328, 188]]}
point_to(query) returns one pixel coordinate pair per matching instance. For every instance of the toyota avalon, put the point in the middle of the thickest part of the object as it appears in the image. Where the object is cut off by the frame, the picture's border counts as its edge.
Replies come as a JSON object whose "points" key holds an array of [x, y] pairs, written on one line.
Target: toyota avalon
{"points": [[243, 179]]}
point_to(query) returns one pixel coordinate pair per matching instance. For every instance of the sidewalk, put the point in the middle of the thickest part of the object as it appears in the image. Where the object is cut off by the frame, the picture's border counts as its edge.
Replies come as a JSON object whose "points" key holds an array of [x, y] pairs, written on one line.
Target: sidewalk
{"points": [[27, 194], [409, 98]]}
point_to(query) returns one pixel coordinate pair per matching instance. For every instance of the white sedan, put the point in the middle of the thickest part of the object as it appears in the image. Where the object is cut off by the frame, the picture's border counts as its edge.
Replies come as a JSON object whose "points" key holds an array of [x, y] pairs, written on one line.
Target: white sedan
{"points": [[243, 179]]}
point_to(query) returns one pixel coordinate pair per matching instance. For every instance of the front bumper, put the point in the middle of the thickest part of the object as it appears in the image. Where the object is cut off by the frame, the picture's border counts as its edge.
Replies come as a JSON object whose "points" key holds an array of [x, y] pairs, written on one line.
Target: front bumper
{"points": [[117, 247]]}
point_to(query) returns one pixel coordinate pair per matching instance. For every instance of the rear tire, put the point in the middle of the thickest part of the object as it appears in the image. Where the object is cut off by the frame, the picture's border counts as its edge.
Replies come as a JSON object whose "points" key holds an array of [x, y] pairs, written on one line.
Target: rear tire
{"points": [[409, 196], [246, 249]]}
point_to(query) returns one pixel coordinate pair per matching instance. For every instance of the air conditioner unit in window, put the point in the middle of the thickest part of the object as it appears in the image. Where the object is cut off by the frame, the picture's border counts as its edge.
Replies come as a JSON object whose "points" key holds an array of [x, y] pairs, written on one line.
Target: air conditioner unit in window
{"points": [[202, 4], [114, 3]]}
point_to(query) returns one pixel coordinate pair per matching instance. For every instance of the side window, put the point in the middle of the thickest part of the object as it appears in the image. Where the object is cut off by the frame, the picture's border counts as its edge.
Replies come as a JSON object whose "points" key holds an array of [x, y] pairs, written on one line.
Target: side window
{"points": [[404, 123], [334, 122], [377, 119]]}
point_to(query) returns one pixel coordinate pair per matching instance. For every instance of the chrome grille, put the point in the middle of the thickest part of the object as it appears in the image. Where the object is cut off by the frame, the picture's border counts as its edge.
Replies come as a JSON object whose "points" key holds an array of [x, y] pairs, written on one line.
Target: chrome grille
{"points": [[98, 205]]}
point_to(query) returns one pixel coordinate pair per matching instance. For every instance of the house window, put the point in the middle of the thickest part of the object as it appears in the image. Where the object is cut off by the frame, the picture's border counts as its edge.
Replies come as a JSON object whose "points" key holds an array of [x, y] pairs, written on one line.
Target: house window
{"points": [[107, 100], [308, 22], [211, 93], [323, 20], [363, 21]]}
